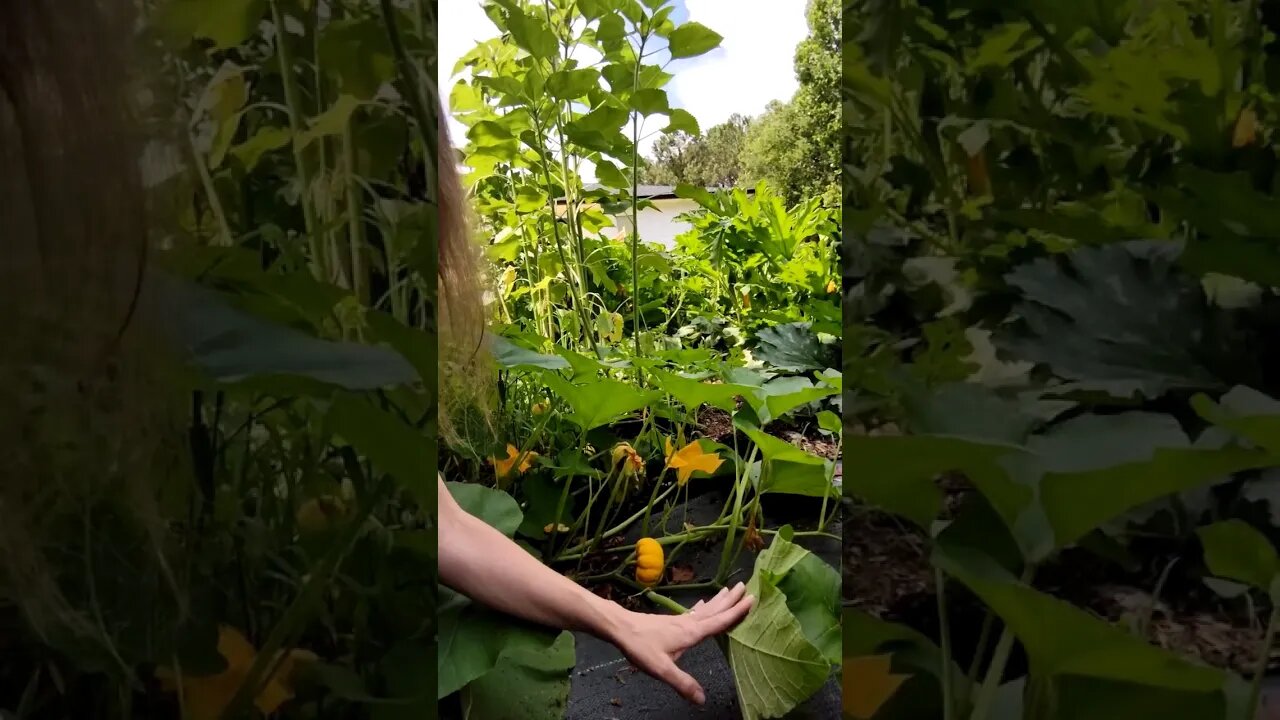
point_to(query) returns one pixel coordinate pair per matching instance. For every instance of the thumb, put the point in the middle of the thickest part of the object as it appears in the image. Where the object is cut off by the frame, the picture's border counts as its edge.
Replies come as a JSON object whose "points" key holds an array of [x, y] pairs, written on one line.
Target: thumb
{"points": [[682, 681]]}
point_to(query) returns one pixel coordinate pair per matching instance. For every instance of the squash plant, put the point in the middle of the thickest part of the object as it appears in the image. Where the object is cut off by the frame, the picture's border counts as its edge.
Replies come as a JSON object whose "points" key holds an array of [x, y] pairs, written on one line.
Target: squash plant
{"points": [[580, 498], [1063, 231]]}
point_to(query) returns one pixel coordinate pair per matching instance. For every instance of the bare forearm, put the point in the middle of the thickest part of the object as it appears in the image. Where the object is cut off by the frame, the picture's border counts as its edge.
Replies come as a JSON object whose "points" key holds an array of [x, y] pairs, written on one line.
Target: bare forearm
{"points": [[488, 567]]}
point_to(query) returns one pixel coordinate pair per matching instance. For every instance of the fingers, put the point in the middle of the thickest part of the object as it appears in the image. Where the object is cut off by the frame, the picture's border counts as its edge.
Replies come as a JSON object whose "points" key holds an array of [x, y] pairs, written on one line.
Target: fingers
{"points": [[725, 599], [716, 603], [716, 623], [683, 682]]}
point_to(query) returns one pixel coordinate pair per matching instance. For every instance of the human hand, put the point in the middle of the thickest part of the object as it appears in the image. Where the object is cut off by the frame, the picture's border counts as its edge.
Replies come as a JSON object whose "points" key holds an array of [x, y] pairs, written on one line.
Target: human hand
{"points": [[653, 643]]}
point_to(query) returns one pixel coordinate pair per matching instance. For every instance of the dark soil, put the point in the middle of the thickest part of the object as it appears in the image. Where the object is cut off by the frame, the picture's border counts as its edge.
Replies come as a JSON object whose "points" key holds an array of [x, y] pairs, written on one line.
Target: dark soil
{"points": [[717, 425], [887, 574]]}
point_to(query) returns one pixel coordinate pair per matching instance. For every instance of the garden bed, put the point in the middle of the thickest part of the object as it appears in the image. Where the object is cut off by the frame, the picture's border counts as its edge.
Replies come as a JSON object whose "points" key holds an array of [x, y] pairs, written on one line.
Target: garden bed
{"points": [[604, 685]]}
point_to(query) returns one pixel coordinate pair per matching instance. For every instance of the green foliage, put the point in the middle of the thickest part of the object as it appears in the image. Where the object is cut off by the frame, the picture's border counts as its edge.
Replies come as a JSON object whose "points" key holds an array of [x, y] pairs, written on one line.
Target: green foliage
{"points": [[1051, 208]]}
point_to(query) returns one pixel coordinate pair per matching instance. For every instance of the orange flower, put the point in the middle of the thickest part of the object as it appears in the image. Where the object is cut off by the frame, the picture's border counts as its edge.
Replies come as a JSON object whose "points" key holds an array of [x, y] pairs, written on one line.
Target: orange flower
{"points": [[690, 458], [831, 286], [1246, 130], [207, 697], [503, 467], [632, 463], [868, 685], [319, 514]]}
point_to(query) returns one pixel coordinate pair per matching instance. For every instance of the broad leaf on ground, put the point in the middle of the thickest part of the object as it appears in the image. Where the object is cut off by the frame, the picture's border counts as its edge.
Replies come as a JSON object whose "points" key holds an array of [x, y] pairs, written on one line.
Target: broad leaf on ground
{"points": [[775, 666]]}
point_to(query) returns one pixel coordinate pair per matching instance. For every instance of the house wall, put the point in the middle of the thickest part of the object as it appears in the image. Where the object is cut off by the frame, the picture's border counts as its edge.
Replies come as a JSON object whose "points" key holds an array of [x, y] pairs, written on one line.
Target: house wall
{"points": [[658, 224]]}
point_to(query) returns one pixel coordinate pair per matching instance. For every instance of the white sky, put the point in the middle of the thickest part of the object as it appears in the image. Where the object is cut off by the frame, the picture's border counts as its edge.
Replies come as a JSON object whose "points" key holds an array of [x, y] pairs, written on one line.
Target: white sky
{"points": [[753, 65]]}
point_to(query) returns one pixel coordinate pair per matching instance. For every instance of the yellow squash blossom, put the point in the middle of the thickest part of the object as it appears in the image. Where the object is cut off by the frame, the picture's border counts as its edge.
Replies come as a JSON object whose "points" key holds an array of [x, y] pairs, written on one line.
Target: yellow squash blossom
{"points": [[318, 514], [632, 463], [503, 467], [539, 408], [207, 697], [1246, 130], [868, 685], [831, 286], [690, 458]]}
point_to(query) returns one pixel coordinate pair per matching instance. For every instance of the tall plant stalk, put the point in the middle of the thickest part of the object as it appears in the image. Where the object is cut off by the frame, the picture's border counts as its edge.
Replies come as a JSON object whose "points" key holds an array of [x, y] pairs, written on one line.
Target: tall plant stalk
{"points": [[293, 102]]}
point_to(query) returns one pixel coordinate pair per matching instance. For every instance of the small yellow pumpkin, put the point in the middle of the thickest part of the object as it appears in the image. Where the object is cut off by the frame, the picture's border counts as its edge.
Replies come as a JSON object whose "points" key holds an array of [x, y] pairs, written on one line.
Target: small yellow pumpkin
{"points": [[649, 562]]}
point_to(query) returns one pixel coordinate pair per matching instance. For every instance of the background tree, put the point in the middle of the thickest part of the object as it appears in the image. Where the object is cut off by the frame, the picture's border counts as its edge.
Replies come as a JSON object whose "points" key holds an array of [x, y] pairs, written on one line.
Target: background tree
{"points": [[796, 145], [718, 160], [670, 163], [709, 160]]}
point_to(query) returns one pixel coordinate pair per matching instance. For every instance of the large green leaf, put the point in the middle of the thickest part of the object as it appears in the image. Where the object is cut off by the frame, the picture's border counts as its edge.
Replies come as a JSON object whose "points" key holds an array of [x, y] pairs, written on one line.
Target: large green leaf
{"points": [[1097, 467], [775, 666], [230, 345], [524, 685], [394, 446], [509, 355], [473, 639], [1053, 490], [812, 588], [358, 54], [1234, 550], [794, 347], [693, 394], [226, 23], [1246, 412], [495, 507], [600, 402], [571, 84], [1118, 317], [897, 473], [692, 39], [788, 469]]}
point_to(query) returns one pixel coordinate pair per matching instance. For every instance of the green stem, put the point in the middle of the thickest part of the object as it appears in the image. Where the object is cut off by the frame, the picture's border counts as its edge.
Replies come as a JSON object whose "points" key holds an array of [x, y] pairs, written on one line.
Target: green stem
{"points": [[574, 290], [293, 101], [1264, 656], [695, 534], [617, 528], [411, 88], [635, 212], [944, 623], [979, 651], [995, 672], [644, 529], [215, 202], [666, 602], [735, 517], [355, 228]]}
